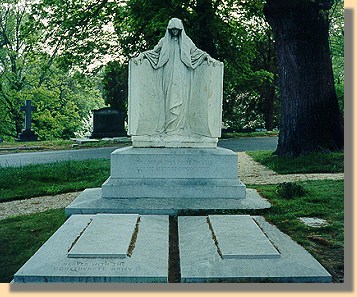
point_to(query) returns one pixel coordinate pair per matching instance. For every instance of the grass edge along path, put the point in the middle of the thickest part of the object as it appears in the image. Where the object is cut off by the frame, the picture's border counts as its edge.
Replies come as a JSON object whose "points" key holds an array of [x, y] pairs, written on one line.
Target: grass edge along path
{"points": [[311, 163]]}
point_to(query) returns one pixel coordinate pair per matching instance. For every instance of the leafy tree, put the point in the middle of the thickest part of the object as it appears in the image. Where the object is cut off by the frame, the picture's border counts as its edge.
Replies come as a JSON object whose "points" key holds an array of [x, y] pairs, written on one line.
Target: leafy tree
{"points": [[115, 85], [31, 69], [16, 47], [78, 30], [64, 103], [225, 31], [310, 116], [230, 31], [336, 24]]}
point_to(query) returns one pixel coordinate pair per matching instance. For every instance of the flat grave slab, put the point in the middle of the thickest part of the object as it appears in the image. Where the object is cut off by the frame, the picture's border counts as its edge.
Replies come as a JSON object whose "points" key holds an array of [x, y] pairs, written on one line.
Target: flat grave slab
{"points": [[239, 237], [106, 236], [258, 252], [140, 257]]}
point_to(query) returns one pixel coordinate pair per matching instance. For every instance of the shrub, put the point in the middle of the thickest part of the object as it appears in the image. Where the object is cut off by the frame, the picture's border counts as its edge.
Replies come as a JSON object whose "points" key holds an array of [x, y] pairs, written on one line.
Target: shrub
{"points": [[290, 190]]}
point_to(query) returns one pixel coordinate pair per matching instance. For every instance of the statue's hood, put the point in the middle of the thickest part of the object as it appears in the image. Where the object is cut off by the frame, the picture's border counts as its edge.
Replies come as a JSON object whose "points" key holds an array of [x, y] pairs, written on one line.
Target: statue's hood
{"points": [[175, 23]]}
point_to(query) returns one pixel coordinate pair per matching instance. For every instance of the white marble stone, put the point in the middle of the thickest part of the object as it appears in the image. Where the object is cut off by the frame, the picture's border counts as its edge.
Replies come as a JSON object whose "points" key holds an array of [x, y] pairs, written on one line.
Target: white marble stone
{"points": [[181, 188], [313, 222], [90, 201], [183, 173], [106, 236], [239, 237], [200, 261], [147, 263], [168, 163], [175, 94]]}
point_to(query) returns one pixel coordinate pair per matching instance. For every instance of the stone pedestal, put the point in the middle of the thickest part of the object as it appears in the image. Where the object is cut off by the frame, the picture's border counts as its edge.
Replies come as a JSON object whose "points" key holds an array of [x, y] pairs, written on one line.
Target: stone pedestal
{"points": [[168, 181], [173, 173]]}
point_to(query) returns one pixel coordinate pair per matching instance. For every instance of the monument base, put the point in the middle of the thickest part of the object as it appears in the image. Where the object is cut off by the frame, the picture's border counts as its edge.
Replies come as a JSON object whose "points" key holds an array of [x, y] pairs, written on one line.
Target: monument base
{"points": [[175, 141], [90, 201], [169, 181], [27, 135], [107, 134]]}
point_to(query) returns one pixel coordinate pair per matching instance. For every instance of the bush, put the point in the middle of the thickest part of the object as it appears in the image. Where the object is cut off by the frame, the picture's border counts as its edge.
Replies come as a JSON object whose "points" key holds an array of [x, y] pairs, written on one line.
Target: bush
{"points": [[290, 190]]}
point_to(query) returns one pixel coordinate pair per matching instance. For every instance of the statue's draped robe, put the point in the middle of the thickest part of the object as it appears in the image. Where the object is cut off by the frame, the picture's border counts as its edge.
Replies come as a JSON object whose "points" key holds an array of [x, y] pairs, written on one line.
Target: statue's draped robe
{"points": [[172, 91]]}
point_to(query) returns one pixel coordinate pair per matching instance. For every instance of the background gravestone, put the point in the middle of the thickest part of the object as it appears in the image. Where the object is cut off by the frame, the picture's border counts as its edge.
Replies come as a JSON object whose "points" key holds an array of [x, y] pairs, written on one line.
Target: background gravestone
{"points": [[27, 134], [108, 122]]}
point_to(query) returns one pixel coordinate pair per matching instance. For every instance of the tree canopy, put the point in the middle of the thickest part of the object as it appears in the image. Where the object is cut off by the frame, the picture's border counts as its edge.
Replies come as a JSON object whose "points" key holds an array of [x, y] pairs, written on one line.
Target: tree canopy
{"points": [[77, 48], [31, 69]]}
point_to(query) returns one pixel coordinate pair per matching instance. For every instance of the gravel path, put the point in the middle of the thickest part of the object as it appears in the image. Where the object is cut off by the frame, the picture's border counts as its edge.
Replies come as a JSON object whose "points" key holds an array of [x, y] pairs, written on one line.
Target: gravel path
{"points": [[37, 204], [250, 172]]}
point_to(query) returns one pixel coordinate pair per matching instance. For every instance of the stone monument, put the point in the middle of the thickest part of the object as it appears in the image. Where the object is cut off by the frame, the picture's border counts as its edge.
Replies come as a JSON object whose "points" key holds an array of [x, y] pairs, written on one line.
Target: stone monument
{"points": [[174, 119], [27, 134], [108, 122]]}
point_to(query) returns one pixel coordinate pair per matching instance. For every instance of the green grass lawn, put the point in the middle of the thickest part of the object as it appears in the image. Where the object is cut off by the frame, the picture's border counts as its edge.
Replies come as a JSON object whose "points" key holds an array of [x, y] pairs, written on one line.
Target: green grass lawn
{"points": [[311, 163], [22, 236], [50, 179]]}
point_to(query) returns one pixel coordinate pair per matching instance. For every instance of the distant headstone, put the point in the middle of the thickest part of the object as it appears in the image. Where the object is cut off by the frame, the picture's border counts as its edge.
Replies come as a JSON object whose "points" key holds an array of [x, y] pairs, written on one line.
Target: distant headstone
{"points": [[27, 134], [108, 122]]}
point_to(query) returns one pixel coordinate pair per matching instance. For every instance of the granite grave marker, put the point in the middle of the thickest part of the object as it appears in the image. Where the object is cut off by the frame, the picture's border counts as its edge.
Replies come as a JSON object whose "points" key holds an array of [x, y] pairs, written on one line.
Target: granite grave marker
{"points": [[108, 122]]}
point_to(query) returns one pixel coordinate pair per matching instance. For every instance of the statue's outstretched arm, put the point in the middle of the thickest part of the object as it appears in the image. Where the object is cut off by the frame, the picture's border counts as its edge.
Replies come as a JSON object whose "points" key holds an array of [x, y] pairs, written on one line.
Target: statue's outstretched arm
{"points": [[149, 53]]}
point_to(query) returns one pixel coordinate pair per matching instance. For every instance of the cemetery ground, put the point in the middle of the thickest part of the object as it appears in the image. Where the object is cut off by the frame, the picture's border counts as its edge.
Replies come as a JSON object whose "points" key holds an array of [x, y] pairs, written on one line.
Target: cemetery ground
{"points": [[22, 235]]}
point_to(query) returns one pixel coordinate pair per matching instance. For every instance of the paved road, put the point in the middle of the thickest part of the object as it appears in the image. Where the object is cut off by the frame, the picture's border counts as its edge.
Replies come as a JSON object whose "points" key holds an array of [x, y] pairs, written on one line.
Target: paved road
{"points": [[22, 159]]}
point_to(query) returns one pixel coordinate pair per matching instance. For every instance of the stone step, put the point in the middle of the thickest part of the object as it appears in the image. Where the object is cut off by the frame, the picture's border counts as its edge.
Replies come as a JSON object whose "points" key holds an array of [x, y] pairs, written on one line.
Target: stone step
{"points": [[90, 201]]}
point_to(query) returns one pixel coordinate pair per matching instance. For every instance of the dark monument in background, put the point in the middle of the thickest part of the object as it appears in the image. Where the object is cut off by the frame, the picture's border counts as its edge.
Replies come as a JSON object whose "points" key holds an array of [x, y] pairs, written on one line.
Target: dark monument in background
{"points": [[27, 134], [108, 122]]}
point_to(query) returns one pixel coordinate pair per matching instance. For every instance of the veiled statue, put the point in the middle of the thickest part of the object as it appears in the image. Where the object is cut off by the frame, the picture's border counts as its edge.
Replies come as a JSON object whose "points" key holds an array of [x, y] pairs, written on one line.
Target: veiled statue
{"points": [[175, 94]]}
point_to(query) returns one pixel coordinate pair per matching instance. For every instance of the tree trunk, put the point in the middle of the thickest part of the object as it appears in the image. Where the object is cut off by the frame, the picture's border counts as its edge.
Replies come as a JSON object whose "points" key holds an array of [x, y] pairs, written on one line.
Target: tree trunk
{"points": [[205, 21], [310, 116], [268, 106]]}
